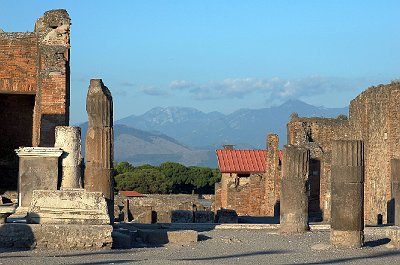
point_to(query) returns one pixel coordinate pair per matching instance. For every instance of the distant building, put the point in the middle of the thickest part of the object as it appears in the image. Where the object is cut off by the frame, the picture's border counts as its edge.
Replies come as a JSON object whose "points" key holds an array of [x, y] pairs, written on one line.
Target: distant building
{"points": [[246, 185]]}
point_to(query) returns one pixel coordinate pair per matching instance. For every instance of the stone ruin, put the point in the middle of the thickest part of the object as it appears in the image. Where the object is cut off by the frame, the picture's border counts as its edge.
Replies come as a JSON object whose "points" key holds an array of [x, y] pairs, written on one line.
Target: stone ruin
{"points": [[55, 194], [34, 89]]}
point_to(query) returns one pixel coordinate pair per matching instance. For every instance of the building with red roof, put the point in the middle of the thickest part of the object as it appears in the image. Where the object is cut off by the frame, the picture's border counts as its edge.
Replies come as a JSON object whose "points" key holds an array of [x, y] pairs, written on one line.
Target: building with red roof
{"points": [[250, 184]]}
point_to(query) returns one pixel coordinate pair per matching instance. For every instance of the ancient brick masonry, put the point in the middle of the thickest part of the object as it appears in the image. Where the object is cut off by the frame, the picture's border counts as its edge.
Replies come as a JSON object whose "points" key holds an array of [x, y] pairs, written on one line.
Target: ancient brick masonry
{"points": [[394, 205], [294, 199], [374, 116], [34, 88], [347, 193], [99, 142]]}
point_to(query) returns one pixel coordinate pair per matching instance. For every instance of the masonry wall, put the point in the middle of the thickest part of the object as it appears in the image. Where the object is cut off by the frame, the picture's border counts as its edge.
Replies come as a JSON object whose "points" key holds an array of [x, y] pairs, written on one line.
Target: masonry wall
{"points": [[317, 134], [245, 195], [374, 115], [34, 68], [374, 118]]}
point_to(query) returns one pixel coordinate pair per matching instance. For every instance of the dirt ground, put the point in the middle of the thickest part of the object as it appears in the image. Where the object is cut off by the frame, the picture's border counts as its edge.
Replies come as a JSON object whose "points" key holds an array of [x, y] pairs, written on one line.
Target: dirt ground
{"points": [[225, 247]]}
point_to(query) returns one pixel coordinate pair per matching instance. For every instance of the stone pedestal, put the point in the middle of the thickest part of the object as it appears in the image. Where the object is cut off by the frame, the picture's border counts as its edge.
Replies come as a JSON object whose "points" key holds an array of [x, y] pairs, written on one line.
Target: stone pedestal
{"points": [[38, 170], [99, 142], [68, 207], [68, 138], [347, 226], [294, 199]]}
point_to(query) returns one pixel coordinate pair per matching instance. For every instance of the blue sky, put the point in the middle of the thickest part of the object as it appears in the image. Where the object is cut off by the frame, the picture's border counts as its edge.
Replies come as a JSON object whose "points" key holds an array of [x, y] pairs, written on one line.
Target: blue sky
{"points": [[223, 55]]}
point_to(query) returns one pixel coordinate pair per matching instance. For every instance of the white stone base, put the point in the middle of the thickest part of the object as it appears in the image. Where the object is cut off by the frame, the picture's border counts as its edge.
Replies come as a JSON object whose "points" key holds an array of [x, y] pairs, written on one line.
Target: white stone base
{"points": [[68, 207]]}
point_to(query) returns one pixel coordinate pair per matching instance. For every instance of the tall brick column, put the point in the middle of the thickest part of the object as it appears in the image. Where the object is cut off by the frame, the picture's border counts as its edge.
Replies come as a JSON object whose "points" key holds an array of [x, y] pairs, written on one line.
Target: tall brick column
{"points": [[347, 225], [395, 172], [68, 138], [99, 141], [294, 198], [272, 180]]}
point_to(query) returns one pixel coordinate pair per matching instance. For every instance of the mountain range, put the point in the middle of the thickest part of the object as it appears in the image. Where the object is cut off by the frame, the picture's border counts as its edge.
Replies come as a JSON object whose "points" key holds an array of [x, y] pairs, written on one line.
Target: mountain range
{"points": [[190, 136]]}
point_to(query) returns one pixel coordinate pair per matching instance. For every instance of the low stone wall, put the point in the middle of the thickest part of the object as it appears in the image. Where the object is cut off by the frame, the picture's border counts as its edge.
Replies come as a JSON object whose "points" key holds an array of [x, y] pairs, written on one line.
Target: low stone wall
{"points": [[160, 206], [65, 237]]}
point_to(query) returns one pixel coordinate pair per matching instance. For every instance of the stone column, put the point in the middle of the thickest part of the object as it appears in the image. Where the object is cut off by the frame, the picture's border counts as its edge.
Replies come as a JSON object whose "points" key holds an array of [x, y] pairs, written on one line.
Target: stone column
{"points": [[347, 182], [294, 198], [100, 142], [68, 138], [395, 172]]}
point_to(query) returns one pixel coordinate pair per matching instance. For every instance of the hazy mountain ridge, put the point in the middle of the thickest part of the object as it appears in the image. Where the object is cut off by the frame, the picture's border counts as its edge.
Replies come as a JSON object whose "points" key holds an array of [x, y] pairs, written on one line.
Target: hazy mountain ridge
{"points": [[247, 127]]}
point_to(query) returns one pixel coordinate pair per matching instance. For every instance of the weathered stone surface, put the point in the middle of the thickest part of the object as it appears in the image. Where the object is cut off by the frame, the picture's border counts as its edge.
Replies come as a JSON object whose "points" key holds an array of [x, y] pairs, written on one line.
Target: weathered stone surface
{"points": [[394, 204], [6, 210], [226, 216], [181, 216], [294, 199], [394, 234], [38, 170], [68, 207], [347, 193], [203, 217], [68, 138], [162, 236], [58, 237], [99, 141], [142, 214], [272, 177]]}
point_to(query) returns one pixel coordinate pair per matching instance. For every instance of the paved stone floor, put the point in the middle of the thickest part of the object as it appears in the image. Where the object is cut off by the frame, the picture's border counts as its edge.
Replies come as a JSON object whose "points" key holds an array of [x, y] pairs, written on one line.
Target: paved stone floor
{"points": [[226, 247]]}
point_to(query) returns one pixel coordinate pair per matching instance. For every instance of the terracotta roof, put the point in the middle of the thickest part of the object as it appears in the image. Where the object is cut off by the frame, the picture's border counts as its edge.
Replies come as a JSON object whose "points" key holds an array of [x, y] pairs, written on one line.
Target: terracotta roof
{"points": [[242, 161], [132, 193]]}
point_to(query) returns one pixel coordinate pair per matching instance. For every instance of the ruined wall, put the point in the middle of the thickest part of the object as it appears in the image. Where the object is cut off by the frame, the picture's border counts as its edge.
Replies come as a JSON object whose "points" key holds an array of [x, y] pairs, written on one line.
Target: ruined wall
{"points": [[317, 134], [34, 87], [374, 118], [374, 115], [245, 195]]}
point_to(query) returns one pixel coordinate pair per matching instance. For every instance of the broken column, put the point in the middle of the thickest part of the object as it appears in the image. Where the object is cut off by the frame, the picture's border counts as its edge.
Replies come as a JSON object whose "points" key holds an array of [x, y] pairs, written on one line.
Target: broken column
{"points": [[99, 142], [294, 198], [395, 205], [68, 138], [347, 182]]}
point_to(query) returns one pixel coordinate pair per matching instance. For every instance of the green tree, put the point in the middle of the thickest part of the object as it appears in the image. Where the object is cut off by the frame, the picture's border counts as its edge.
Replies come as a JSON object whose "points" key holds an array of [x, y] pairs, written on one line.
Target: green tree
{"points": [[145, 180]]}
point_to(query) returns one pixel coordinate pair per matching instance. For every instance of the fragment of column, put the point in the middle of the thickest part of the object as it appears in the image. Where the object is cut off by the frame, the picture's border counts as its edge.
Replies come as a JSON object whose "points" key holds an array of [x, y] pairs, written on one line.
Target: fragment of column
{"points": [[347, 182], [68, 138], [99, 141], [294, 197]]}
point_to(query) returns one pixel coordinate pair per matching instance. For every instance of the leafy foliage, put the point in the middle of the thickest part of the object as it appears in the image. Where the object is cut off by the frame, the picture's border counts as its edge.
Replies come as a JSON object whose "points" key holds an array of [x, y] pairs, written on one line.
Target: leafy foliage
{"points": [[169, 177]]}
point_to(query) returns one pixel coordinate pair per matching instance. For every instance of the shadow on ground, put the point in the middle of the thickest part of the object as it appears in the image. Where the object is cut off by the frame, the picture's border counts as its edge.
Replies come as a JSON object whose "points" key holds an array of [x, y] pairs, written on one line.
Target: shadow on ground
{"points": [[257, 253]]}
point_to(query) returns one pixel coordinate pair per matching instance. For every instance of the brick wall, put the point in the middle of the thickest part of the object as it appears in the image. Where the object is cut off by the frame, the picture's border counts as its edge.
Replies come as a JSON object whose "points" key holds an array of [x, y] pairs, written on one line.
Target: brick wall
{"points": [[37, 64]]}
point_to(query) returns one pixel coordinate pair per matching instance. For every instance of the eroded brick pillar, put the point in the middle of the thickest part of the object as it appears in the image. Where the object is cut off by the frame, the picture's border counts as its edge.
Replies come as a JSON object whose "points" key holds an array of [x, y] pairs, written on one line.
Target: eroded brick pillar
{"points": [[347, 182], [99, 141], [68, 138], [395, 200], [294, 198], [272, 177]]}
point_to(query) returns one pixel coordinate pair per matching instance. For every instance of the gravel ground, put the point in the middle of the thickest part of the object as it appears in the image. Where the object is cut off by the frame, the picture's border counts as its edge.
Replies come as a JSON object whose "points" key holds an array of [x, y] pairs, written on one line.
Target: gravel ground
{"points": [[225, 247]]}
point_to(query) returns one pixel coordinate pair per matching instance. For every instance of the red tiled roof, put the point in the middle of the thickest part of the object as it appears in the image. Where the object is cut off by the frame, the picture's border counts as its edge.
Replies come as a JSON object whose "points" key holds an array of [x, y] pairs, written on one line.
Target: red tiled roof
{"points": [[242, 161], [132, 193]]}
